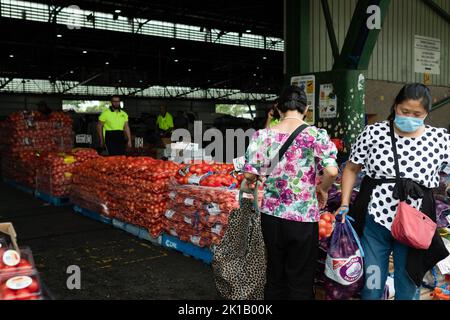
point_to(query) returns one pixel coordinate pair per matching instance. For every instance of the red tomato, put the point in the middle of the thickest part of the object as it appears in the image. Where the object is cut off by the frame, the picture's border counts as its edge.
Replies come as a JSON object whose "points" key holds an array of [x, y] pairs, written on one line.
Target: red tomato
{"points": [[322, 232], [322, 224], [34, 286], [8, 294], [24, 264], [23, 294], [6, 268], [326, 217]]}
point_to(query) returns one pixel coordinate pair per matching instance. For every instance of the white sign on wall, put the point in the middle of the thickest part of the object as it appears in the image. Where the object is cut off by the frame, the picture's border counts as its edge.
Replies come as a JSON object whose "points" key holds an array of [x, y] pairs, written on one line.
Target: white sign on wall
{"points": [[427, 55]]}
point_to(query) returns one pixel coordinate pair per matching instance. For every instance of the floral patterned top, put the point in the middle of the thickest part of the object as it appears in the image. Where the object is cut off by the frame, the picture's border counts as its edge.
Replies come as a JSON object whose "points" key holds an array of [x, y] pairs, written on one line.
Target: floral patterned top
{"points": [[290, 191]]}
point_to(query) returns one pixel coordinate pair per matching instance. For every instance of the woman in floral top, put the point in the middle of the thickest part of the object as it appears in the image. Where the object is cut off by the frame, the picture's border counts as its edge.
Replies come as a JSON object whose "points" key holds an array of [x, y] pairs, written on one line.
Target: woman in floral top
{"points": [[292, 199]]}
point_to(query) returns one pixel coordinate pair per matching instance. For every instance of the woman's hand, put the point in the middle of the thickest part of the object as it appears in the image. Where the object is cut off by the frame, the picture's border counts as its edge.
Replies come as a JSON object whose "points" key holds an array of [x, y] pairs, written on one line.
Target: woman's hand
{"points": [[251, 180], [343, 210], [322, 197]]}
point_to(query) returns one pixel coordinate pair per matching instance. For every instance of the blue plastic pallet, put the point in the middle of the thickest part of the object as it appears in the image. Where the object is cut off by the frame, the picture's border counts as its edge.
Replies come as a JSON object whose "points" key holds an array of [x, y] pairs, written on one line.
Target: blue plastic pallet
{"points": [[56, 201], [136, 231], [92, 215], [145, 235], [18, 186], [188, 249]]}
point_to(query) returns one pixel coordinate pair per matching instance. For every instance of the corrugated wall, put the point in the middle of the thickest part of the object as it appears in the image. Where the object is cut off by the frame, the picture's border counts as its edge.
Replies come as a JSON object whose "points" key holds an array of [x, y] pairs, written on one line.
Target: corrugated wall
{"points": [[393, 55]]}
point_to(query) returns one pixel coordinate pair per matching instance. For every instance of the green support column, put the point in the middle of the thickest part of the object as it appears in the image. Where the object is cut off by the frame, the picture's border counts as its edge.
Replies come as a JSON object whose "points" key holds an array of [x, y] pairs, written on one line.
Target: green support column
{"points": [[350, 88], [297, 38], [360, 41], [349, 67]]}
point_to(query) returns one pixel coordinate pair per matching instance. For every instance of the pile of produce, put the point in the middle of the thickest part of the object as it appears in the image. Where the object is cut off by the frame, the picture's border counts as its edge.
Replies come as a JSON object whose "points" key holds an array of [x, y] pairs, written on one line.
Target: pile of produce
{"points": [[20, 167], [54, 172], [326, 225], [26, 134], [133, 190], [210, 175], [199, 214], [33, 131]]}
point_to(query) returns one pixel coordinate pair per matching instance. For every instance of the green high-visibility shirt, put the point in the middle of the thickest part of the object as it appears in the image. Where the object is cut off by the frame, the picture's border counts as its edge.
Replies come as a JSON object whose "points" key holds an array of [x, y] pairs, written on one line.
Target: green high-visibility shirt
{"points": [[165, 123], [113, 120]]}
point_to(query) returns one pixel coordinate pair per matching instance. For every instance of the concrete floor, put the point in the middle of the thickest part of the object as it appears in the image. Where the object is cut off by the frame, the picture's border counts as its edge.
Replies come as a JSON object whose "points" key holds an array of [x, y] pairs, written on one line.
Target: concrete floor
{"points": [[114, 264]]}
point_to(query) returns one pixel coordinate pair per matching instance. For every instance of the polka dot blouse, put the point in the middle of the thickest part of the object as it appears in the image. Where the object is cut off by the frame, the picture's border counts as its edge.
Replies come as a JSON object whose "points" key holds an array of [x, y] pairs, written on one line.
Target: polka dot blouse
{"points": [[420, 159]]}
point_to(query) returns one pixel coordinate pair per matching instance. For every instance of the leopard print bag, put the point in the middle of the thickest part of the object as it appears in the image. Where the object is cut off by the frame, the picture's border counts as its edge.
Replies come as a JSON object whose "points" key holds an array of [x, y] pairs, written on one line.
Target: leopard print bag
{"points": [[239, 261]]}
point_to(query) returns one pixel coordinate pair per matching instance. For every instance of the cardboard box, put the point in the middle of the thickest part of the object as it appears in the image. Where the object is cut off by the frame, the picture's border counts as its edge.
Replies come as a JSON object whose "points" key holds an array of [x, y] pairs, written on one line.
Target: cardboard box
{"points": [[8, 229]]}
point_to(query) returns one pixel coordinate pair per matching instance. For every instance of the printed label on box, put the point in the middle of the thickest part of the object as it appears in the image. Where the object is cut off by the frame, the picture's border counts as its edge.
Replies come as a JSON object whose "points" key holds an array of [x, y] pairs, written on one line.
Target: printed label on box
{"points": [[194, 179], [213, 208], [187, 220], [172, 195], [196, 240], [11, 258], [169, 214], [18, 283], [217, 229], [170, 244]]}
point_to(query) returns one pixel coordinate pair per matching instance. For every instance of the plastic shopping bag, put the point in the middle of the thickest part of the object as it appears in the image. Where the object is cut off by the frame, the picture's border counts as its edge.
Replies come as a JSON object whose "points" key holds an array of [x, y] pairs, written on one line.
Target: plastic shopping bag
{"points": [[344, 265]]}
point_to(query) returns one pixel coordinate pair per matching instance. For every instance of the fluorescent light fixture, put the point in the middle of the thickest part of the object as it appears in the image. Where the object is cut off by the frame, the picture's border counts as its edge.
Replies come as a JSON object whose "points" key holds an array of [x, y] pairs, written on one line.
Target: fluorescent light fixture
{"points": [[172, 48], [59, 35], [11, 56], [118, 11], [84, 51]]}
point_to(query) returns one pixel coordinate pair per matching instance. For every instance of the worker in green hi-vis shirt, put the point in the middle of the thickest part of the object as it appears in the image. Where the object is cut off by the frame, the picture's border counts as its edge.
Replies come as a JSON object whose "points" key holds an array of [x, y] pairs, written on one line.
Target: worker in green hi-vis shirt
{"points": [[164, 122], [113, 129], [273, 116]]}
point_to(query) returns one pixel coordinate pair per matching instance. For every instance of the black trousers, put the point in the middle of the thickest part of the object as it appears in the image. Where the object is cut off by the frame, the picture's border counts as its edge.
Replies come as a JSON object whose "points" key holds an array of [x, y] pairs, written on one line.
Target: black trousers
{"points": [[115, 142], [292, 252]]}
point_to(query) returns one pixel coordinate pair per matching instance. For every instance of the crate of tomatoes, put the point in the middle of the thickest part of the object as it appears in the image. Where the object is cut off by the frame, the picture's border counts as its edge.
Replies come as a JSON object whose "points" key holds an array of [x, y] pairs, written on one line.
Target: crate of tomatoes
{"points": [[19, 279]]}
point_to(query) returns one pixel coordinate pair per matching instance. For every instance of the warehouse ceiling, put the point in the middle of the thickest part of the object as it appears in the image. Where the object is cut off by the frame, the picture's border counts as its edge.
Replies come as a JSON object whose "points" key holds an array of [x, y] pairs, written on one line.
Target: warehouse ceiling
{"points": [[37, 49]]}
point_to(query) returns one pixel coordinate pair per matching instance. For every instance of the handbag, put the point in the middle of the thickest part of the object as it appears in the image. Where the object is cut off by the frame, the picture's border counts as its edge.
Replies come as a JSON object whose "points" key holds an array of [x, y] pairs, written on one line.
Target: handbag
{"points": [[239, 261], [410, 227]]}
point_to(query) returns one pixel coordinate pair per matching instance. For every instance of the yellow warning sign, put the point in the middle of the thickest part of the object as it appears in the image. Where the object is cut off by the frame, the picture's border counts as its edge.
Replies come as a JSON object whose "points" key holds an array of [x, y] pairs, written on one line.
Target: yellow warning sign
{"points": [[426, 79], [310, 87]]}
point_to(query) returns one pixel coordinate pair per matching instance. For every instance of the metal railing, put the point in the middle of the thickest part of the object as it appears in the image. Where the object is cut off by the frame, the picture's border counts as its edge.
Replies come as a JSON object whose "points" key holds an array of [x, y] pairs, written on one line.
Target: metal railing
{"points": [[75, 18], [72, 88]]}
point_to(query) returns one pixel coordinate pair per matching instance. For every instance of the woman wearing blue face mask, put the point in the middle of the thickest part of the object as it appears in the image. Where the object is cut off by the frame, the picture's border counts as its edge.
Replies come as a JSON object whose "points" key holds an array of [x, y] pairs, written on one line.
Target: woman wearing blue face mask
{"points": [[421, 152]]}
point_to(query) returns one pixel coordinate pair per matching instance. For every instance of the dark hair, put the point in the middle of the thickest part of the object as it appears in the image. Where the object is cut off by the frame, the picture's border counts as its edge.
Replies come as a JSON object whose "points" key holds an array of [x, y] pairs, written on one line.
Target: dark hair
{"points": [[116, 96], [413, 91], [293, 98]]}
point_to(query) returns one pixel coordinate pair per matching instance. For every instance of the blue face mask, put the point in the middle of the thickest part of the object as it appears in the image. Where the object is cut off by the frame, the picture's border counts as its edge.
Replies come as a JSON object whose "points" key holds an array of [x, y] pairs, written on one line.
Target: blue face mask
{"points": [[408, 124]]}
